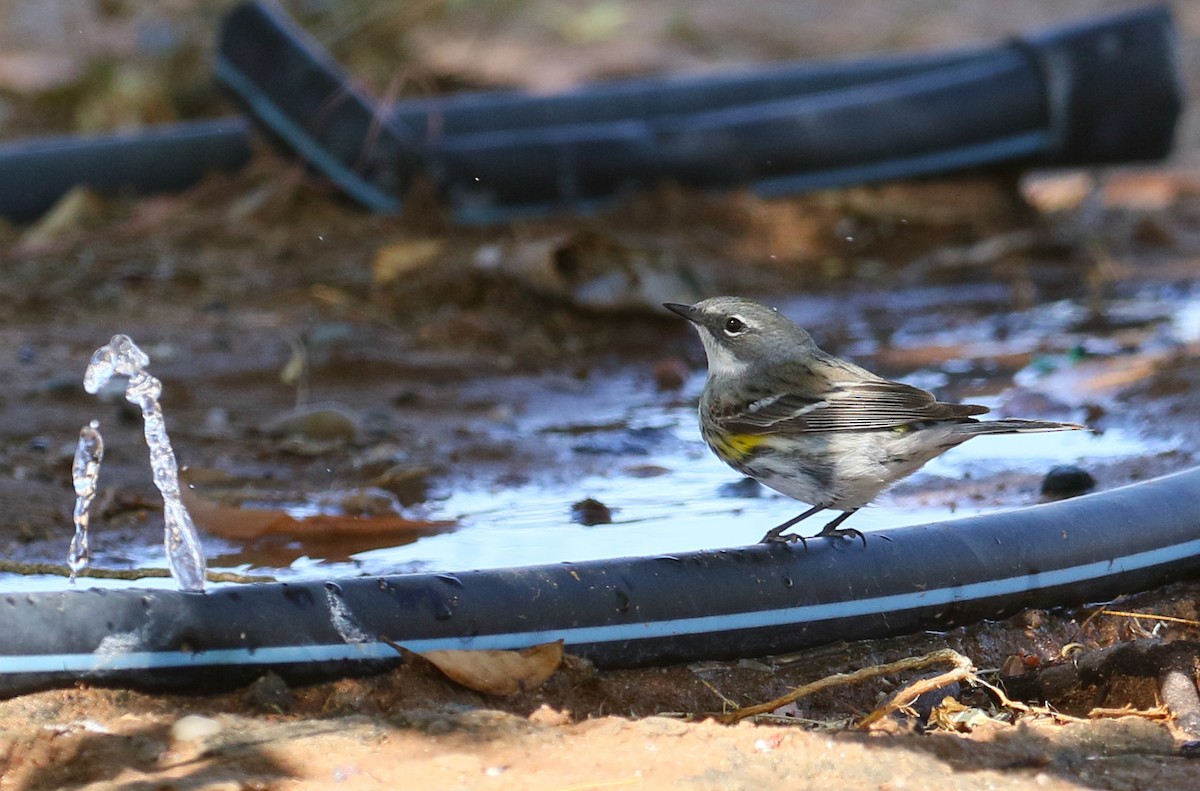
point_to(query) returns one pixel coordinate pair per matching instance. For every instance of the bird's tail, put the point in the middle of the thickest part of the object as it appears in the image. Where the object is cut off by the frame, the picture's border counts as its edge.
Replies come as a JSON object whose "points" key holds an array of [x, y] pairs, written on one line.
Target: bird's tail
{"points": [[1017, 426]]}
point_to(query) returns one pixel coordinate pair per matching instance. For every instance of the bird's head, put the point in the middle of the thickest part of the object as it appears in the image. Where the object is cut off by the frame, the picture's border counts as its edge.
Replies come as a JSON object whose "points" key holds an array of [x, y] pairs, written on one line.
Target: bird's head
{"points": [[740, 334]]}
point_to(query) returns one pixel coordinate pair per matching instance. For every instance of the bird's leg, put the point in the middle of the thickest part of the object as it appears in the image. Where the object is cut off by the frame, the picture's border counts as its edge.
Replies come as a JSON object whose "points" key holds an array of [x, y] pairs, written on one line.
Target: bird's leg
{"points": [[773, 535], [832, 530]]}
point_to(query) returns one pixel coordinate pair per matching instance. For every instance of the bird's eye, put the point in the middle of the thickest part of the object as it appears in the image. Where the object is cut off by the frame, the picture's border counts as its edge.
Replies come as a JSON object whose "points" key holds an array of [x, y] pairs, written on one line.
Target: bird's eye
{"points": [[734, 326]]}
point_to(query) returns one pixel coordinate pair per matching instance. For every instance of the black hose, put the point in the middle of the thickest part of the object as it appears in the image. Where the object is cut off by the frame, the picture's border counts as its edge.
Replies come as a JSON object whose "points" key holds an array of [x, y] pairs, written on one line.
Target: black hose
{"points": [[720, 604], [36, 173], [1103, 91], [659, 97]]}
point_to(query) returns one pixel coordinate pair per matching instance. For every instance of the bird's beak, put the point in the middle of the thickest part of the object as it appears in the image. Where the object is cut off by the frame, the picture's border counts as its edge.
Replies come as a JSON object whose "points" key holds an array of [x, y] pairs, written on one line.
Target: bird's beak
{"points": [[687, 311]]}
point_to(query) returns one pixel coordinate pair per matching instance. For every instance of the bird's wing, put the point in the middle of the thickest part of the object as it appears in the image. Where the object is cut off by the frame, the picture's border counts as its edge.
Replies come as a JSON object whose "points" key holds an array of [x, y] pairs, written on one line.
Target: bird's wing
{"points": [[851, 406]]}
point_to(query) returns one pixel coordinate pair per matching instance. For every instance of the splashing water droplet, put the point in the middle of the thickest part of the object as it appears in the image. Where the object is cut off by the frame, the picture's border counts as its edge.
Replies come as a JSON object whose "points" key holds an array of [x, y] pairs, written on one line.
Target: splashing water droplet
{"points": [[84, 471], [121, 357]]}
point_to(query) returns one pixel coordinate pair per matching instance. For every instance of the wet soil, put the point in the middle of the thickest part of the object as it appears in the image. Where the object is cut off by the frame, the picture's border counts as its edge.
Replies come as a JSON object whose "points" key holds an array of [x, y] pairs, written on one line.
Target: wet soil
{"points": [[482, 358]]}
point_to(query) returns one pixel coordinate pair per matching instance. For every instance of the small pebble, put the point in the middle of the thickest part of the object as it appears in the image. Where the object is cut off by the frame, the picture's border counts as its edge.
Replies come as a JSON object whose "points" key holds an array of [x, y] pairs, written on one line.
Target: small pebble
{"points": [[646, 471], [269, 693], [1153, 232], [670, 374], [1067, 480], [746, 487], [193, 728], [217, 423], [591, 512], [767, 745], [547, 715]]}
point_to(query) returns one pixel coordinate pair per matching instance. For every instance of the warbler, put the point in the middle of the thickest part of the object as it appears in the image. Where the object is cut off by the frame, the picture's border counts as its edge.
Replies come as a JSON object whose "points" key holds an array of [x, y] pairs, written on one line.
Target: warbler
{"points": [[813, 426]]}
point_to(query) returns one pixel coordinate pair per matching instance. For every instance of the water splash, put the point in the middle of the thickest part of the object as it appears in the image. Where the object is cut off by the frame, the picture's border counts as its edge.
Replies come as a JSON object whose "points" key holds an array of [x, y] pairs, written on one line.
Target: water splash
{"points": [[121, 357], [84, 471]]}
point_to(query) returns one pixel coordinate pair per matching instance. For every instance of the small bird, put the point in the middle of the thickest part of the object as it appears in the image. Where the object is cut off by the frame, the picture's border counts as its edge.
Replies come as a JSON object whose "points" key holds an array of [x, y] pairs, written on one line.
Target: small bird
{"points": [[815, 427]]}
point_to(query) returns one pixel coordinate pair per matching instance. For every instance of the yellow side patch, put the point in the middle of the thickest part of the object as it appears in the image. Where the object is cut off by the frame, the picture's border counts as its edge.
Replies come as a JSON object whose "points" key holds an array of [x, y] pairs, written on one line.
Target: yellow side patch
{"points": [[737, 446]]}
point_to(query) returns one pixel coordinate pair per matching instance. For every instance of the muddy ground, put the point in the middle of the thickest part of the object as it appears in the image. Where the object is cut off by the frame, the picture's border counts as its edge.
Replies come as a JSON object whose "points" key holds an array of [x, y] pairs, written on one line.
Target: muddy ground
{"points": [[261, 291]]}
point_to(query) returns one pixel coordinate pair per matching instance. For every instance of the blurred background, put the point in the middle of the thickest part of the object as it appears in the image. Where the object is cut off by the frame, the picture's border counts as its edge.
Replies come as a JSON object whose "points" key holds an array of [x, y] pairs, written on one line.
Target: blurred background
{"points": [[114, 64], [479, 391]]}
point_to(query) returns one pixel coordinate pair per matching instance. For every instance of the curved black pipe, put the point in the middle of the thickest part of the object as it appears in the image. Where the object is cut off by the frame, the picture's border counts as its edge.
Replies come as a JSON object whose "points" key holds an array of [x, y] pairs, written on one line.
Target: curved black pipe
{"points": [[746, 601], [1102, 91], [36, 173], [811, 134], [658, 97]]}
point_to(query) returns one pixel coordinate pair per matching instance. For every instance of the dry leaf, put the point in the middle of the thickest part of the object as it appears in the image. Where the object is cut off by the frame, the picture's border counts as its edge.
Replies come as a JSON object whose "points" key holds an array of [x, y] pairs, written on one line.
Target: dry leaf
{"points": [[245, 524], [293, 369], [951, 715], [499, 672], [400, 258], [596, 271], [78, 206], [327, 423], [32, 73]]}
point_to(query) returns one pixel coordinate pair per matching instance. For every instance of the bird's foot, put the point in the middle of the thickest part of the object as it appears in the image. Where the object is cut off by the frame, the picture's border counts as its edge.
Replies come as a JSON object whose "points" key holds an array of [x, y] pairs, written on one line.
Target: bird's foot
{"points": [[840, 532], [784, 538]]}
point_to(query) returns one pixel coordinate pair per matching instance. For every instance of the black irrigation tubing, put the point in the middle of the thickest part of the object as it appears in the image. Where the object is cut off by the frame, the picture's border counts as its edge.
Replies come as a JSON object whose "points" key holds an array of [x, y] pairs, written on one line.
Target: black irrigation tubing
{"points": [[37, 172], [1102, 91], [1106, 90], [718, 604]]}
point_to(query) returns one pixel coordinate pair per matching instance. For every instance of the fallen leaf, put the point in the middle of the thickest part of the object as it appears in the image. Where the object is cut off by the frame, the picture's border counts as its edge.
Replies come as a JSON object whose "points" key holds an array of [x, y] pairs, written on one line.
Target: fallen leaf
{"points": [[951, 715], [400, 258], [78, 206], [595, 271], [293, 370], [330, 423], [499, 672], [32, 73], [242, 523], [233, 522], [600, 21]]}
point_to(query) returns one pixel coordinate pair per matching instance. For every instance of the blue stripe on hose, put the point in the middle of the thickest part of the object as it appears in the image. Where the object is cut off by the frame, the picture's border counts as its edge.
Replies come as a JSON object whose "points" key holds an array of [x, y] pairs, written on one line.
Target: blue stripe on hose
{"points": [[1021, 145], [355, 186], [300, 654]]}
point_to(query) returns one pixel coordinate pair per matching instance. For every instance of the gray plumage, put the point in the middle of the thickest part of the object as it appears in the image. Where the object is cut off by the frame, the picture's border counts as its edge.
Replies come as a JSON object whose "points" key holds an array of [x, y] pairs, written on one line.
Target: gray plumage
{"points": [[813, 426]]}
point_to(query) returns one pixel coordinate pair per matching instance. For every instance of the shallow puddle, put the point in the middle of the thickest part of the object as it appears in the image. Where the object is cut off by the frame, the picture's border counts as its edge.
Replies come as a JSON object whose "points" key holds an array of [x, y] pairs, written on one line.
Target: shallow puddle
{"points": [[616, 439], [698, 504]]}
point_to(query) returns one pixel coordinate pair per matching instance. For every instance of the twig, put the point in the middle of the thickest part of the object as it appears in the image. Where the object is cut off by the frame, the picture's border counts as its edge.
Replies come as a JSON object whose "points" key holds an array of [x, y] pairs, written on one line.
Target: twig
{"points": [[961, 671], [1151, 616], [1159, 712], [841, 679], [733, 704], [1016, 705], [1092, 616], [825, 725], [61, 570]]}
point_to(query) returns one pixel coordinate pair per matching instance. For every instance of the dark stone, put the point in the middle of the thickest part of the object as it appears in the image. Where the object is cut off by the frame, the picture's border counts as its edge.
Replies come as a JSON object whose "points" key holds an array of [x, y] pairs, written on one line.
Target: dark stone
{"points": [[1067, 480], [269, 694], [591, 512], [746, 487]]}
